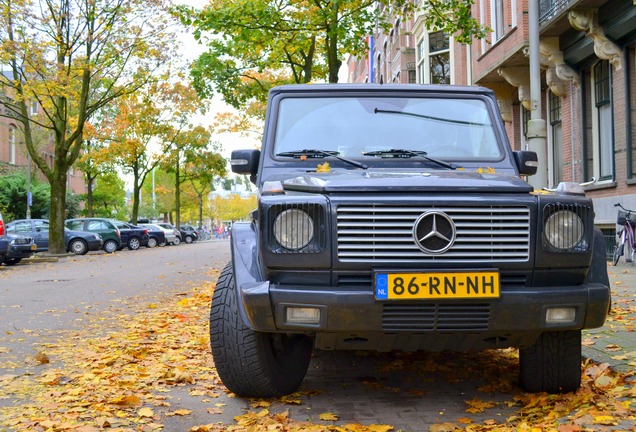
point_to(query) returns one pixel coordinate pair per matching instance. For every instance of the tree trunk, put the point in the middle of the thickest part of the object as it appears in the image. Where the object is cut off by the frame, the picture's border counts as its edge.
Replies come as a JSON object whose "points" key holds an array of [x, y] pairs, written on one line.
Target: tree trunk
{"points": [[57, 214], [89, 195], [333, 61], [200, 211], [136, 189]]}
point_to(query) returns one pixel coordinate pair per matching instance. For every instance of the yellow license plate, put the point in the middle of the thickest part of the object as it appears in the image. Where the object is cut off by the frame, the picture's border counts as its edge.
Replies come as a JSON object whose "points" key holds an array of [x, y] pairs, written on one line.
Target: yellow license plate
{"points": [[34, 247], [450, 285]]}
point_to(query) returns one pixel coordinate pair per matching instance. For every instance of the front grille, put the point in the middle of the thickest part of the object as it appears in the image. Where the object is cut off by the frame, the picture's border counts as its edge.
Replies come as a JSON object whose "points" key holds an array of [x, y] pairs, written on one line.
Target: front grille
{"points": [[399, 317], [384, 234]]}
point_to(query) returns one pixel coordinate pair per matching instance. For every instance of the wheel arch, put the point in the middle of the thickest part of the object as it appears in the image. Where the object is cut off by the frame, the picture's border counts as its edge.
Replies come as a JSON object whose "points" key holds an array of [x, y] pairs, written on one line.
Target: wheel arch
{"points": [[247, 275]]}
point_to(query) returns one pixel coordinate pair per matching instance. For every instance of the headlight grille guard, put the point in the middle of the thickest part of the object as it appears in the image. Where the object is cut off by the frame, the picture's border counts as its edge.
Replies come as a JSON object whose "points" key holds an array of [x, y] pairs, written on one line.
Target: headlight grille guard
{"points": [[585, 212], [316, 212]]}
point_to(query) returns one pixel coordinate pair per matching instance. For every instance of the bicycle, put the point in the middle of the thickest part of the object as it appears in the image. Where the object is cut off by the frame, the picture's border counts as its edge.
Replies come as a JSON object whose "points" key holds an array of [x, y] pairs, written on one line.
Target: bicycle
{"points": [[627, 220]]}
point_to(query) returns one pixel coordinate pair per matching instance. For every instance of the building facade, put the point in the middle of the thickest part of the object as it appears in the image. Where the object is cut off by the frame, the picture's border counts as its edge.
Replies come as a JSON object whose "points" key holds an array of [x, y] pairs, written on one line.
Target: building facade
{"points": [[588, 83], [13, 153]]}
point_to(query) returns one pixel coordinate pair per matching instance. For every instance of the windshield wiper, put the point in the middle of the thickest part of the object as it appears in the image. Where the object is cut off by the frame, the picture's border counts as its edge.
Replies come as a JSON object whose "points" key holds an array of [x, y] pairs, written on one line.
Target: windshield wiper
{"points": [[403, 153], [427, 117], [314, 153]]}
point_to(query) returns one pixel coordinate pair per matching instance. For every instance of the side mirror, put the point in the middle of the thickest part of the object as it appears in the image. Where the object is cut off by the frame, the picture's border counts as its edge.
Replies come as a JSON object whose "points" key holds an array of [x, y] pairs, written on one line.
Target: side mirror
{"points": [[527, 162], [245, 161]]}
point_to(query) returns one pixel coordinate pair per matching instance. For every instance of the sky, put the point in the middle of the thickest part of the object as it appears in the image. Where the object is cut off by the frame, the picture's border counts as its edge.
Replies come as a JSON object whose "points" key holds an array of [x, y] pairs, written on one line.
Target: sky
{"points": [[192, 50]]}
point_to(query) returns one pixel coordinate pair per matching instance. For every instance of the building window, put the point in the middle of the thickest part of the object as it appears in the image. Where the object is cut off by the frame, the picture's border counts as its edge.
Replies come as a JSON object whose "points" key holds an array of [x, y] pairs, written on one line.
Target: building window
{"points": [[525, 118], [12, 145], [556, 139], [440, 57], [433, 59], [497, 19], [603, 121], [421, 57], [412, 76]]}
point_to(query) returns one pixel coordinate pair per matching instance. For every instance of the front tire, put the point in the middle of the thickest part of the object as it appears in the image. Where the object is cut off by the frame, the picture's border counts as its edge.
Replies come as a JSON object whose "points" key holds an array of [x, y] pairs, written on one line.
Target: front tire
{"points": [[78, 247], [189, 239], [251, 363], [110, 246], [177, 241], [552, 364], [152, 242]]}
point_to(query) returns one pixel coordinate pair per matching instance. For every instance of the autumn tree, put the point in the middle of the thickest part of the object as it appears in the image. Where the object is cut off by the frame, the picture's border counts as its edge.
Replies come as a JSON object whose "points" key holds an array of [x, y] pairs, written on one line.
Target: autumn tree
{"points": [[72, 57], [95, 142], [135, 132], [232, 208], [201, 169], [192, 157]]}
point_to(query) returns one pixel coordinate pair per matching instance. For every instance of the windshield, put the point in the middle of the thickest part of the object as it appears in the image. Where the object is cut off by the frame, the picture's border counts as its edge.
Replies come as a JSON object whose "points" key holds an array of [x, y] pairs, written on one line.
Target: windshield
{"points": [[449, 129]]}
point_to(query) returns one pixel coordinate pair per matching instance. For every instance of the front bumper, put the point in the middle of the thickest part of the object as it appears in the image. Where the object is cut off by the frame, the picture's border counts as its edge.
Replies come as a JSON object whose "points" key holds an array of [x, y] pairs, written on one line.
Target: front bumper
{"points": [[356, 320], [95, 245], [22, 251]]}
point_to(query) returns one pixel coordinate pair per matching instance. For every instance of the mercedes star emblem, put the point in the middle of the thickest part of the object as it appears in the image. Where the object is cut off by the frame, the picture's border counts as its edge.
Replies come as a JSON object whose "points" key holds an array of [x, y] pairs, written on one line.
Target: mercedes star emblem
{"points": [[434, 232]]}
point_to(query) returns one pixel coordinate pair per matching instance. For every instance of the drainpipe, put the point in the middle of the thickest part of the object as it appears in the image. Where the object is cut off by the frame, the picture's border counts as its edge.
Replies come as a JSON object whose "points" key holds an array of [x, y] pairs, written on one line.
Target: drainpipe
{"points": [[536, 125], [628, 120]]}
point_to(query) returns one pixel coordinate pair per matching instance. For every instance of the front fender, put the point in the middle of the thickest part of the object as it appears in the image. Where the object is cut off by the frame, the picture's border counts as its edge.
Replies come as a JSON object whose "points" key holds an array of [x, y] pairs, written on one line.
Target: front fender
{"points": [[252, 292]]}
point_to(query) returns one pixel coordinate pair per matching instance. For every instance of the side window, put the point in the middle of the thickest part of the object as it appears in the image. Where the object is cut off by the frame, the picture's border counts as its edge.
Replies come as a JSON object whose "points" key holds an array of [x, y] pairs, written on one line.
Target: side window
{"points": [[20, 227], [77, 225], [96, 226], [41, 226]]}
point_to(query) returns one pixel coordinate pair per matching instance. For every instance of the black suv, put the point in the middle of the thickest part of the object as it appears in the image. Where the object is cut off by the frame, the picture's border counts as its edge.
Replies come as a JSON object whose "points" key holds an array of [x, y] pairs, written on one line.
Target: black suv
{"points": [[397, 217]]}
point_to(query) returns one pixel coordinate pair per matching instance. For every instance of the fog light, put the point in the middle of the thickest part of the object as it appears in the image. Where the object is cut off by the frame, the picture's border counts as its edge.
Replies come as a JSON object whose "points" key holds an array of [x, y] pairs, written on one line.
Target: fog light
{"points": [[560, 315], [304, 315]]}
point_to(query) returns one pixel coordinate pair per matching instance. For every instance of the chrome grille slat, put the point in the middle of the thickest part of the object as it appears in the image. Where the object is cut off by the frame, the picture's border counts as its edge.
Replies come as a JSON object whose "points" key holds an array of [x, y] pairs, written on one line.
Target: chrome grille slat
{"points": [[384, 234]]}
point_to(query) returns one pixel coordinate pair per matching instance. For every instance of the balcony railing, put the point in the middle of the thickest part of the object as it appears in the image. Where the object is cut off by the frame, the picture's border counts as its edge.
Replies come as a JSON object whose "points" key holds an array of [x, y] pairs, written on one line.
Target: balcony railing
{"points": [[548, 9]]}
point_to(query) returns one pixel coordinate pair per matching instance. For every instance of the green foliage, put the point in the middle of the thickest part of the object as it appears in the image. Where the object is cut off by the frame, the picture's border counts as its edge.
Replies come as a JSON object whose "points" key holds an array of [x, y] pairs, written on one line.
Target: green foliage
{"points": [[73, 202], [454, 17], [13, 197], [109, 197]]}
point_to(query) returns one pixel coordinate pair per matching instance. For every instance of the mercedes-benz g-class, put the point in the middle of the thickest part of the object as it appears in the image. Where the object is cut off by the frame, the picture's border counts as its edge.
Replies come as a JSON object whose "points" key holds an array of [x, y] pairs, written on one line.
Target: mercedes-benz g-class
{"points": [[397, 217]]}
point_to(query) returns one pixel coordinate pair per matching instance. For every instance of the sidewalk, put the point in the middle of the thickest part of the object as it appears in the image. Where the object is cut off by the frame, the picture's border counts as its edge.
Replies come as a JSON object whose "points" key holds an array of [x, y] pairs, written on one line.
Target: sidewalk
{"points": [[615, 342]]}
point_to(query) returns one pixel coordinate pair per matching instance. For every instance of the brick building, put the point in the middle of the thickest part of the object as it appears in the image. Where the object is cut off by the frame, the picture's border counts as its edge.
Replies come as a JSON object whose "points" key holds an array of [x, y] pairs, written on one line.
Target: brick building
{"points": [[588, 82], [13, 153]]}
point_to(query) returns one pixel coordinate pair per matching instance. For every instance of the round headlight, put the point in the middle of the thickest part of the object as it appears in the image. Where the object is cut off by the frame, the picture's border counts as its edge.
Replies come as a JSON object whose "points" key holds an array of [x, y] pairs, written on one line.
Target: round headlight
{"points": [[293, 229], [564, 229]]}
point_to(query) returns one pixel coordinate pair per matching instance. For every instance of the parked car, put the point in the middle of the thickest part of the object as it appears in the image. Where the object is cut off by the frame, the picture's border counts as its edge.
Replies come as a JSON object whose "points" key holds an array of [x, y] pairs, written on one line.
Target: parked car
{"points": [[104, 227], [177, 233], [156, 235], [132, 236], [20, 247], [168, 234], [399, 239], [4, 241], [189, 234], [77, 242]]}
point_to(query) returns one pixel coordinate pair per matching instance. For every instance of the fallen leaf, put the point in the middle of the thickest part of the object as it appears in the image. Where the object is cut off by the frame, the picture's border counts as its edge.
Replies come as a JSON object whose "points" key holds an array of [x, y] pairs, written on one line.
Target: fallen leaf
{"points": [[145, 412], [41, 358], [328, 417]]}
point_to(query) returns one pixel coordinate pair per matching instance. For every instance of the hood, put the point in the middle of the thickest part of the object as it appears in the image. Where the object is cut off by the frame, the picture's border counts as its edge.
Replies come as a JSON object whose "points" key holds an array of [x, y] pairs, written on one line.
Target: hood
{"points": [[408, 182]]}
